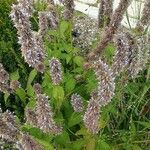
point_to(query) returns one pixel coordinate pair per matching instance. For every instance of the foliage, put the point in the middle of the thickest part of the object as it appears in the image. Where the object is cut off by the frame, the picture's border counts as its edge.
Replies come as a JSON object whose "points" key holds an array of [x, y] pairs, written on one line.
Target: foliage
{"points": [[124, 123]]}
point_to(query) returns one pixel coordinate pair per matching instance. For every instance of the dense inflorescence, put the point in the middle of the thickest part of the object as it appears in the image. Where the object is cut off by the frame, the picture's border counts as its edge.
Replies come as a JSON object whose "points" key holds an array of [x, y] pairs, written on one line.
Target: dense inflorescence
{"points": [[43, 24], [37, 88], [106, 85], [8, 127], [101, 97], [92, 115], [111, 30], [14, 84], [44, 114], [122, 55], [31, 49], [140, 54], [27, 143], [76, 102], [55, 71], [145, 18], [105, 13], [69, 9], [4, 80], [31, 117]]}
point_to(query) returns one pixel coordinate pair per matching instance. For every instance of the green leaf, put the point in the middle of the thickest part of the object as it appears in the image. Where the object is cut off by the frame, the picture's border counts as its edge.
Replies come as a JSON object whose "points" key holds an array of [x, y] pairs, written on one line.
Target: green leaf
{"points": [[58, 94], [21, 93], [78, 60], [31, 103], [144, 124], [42, 138], [6, 95], [91, 144], [31, 77], [70, 84], [77, 145], [136, 147], [68, 58], [74, 119], [62, 139], [102, 145], [14, 75], [64, 25], [30, 91]]}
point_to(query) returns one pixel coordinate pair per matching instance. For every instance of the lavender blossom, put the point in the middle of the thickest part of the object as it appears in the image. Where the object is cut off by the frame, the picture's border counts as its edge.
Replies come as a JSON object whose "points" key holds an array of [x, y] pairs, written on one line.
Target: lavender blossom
{"points": [[8, 127], [28, 143], [31, 49], [101, 97], [69, 9], [122, 56], [43, 24], [110, 31], [50, 2], [140, 54], [31, 117], [44, 114], [106, 85], [91, 116], [145, 19], [4, 78], [14, 84], [37, 88], [27, 6], [105, 12], [55, 71], [76, 102]]}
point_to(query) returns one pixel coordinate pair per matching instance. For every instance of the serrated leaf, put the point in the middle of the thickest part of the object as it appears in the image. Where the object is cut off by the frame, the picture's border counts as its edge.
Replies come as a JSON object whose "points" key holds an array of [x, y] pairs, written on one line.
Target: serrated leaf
{"points": [[21, 93], [58, 94], [6, 95], [103, 145], [31, 77], [14, 75], [78, 60], [91, 144], [74, 119], [63, 138], [30, 91], [31, 103], [70, 84], [64, 25]]}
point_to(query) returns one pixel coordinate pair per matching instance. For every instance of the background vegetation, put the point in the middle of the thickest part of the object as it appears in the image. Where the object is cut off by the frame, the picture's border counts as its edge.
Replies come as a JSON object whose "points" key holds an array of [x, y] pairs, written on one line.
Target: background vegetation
{"points": [[124, 123]]}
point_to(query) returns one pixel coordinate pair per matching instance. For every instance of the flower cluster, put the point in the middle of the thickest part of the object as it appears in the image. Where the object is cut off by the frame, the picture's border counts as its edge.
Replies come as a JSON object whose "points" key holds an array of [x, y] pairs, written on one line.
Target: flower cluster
{"points": [[111, 30], [37, 88], [43, 24], [101, 97], [140, 54], [31, 49], [4, 78], [9, 130], [47, 19], [14, 84], [69, 9], [27, 143], [44, 114], [8, 127], [55, 71], [91, 116], [145, 19], [76, 102], [105, 12], [106, 85], [31, 117], [122, 55]]}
